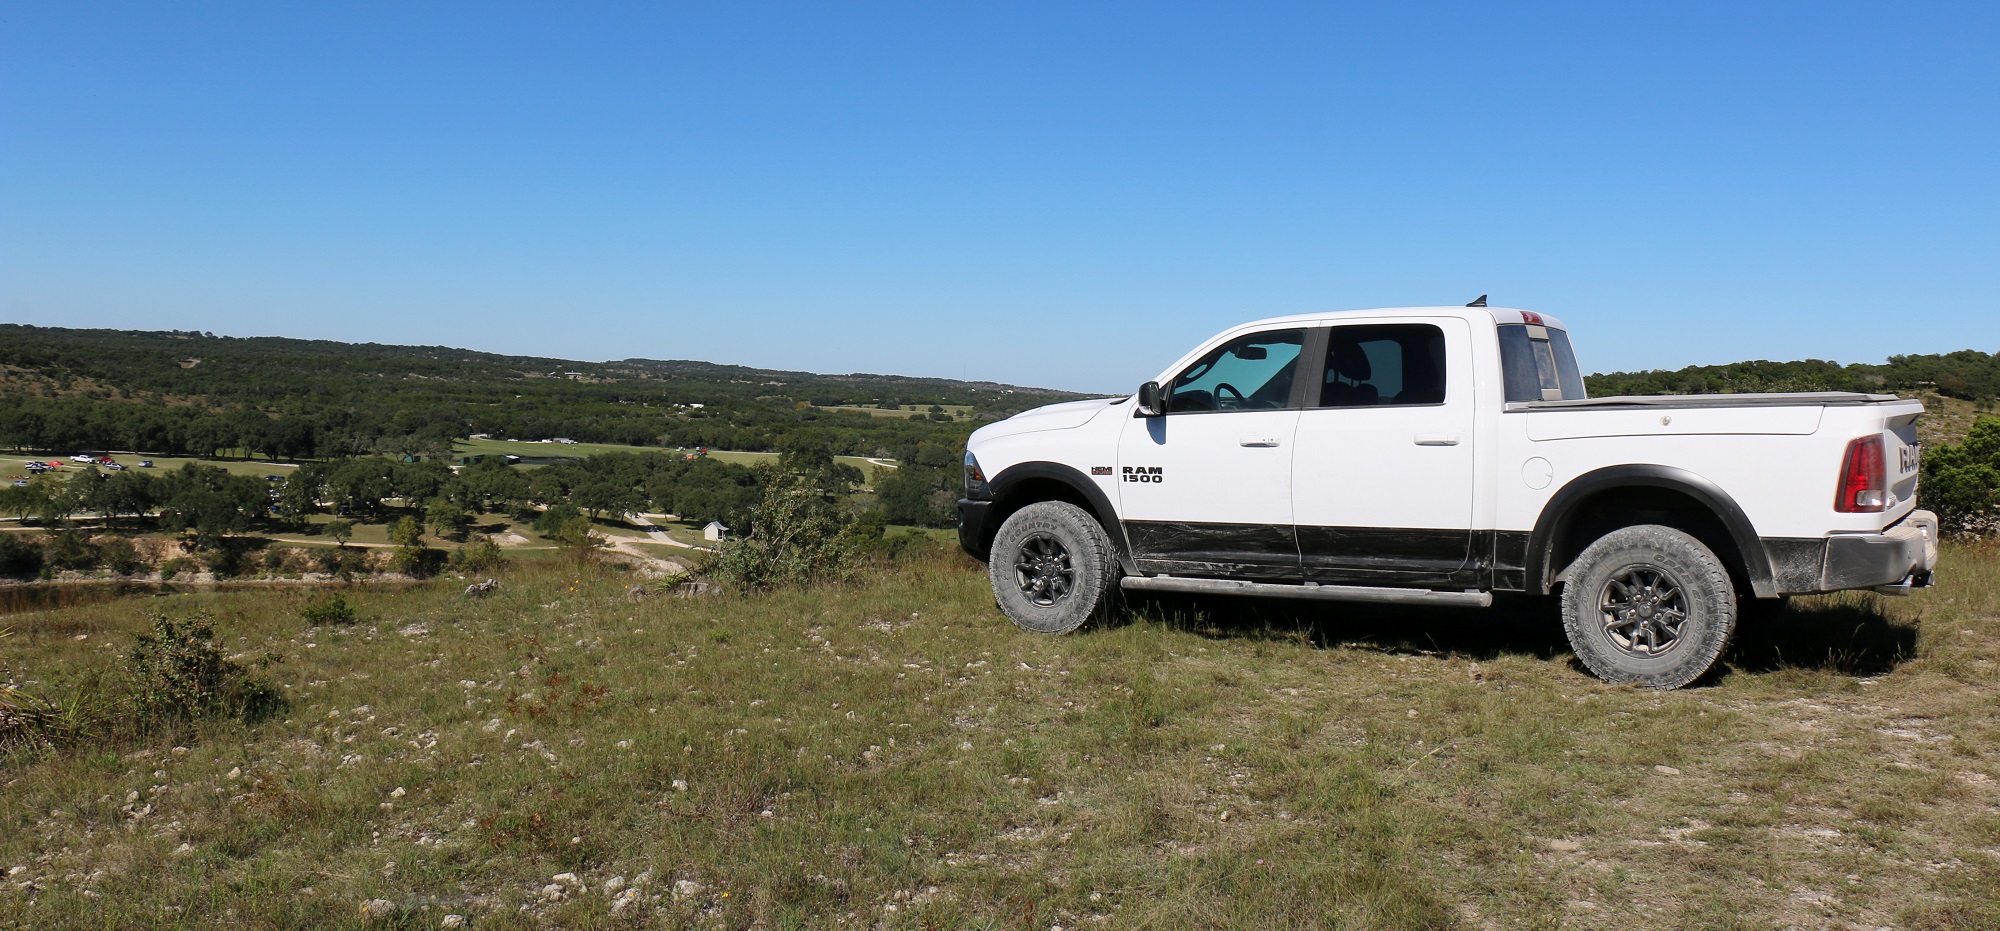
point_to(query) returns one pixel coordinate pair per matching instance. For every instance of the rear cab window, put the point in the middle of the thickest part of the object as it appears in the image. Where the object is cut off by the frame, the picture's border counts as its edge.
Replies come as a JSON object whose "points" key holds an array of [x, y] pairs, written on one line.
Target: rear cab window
{"points": [[1538, 364]]}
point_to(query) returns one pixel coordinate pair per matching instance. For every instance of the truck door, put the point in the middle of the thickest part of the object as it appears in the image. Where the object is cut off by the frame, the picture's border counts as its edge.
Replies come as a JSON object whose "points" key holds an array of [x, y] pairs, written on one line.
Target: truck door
{"points": [[1205, 489], [1382, 470]]}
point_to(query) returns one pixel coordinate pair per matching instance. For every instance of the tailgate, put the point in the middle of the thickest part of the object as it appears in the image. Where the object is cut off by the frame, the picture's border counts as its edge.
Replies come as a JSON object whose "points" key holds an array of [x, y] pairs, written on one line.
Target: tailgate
{"points": [[1899, 442]]}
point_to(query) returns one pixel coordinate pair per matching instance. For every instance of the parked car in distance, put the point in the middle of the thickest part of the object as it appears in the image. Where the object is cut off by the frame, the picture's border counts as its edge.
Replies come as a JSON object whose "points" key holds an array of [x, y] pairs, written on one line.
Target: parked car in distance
{"points": [[145, 463], [113, 467], [83, 457], [20, 483]]}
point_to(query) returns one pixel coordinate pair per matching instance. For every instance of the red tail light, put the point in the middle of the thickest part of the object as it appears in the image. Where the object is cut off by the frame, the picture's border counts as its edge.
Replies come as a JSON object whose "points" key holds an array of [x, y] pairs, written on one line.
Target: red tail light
{"points": [[1864, 478]]}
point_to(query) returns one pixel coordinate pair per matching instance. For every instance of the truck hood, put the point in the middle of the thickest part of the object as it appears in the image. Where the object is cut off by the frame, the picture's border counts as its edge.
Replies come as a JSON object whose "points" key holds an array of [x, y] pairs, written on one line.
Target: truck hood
{"points": [[1064, 416]]}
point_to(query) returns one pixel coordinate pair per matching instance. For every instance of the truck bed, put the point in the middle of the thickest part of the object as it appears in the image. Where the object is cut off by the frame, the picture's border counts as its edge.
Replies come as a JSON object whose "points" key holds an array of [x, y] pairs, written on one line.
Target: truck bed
{"points": [[1627, 402]]}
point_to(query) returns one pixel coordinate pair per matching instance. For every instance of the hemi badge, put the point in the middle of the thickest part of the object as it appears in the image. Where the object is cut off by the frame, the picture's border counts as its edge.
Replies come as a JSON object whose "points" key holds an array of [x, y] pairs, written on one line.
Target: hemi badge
{"points": [[1100, 470]]}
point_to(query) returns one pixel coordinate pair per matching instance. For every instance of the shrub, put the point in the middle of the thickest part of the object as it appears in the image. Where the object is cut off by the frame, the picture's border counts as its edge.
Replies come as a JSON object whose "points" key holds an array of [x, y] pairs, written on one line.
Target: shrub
{"points": [[19, 557], [119, 555], [799, 535], [1962, 483], [481, 554], [226, 561], [552, 521], [69, 549], [577, 537], [176, 566], [179, 675], [333, 609]]}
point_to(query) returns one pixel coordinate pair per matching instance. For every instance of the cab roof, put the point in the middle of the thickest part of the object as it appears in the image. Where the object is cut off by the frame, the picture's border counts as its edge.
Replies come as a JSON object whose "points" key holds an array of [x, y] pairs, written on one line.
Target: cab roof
{"points": [[1499, 315]]}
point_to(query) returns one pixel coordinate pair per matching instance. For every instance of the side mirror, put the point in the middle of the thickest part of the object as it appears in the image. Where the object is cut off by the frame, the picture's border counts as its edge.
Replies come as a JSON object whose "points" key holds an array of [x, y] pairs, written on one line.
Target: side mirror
{"points": [[1149, 400]]}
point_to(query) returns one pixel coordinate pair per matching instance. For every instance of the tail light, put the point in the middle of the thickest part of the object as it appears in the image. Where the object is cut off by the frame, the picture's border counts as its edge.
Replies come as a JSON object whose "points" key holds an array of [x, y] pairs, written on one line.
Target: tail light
{"points": [[1864, 478]]}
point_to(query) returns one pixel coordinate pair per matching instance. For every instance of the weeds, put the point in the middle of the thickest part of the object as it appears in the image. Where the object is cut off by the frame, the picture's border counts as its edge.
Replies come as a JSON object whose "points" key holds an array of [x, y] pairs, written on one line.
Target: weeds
{"points": [[333, 609], [179, 675]]}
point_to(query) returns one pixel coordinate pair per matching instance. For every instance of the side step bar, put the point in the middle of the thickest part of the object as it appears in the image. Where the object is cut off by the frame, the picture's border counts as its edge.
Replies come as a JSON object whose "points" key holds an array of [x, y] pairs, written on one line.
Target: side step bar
{"points": [[1309, 590]]}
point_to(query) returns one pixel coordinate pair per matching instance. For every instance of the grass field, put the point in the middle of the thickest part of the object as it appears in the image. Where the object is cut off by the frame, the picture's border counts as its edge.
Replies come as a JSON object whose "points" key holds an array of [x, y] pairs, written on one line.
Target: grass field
{"points": [[904, 412], [582, 450], [11, 465], [896, 755]]}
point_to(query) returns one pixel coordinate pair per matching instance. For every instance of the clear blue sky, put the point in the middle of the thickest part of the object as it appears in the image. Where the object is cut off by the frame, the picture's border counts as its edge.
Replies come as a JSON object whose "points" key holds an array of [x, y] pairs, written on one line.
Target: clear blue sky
{"points": [[1062, 194]]}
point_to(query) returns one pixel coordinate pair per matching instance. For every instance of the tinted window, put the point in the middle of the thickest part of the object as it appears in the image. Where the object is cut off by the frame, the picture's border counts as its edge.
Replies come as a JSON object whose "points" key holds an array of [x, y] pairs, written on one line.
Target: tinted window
{"points": [[1367, 366], [1538, 364], [1249, 372]]}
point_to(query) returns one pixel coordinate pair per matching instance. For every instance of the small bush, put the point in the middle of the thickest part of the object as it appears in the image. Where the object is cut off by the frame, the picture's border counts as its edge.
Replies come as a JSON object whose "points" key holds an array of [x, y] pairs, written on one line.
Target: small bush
{"points": [[176, 566], [69, 549], [227, 561], [552, 521], [577, 538], [479, 555], [344, 562], [19, 557], [179, 675], [799, 536], [333, 609], [120, 555], [1962, 483]]}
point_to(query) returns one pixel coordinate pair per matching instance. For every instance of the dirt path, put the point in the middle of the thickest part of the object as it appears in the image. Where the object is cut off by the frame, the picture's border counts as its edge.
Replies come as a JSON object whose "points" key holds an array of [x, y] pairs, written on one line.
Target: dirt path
{"points": [[648, 561]]}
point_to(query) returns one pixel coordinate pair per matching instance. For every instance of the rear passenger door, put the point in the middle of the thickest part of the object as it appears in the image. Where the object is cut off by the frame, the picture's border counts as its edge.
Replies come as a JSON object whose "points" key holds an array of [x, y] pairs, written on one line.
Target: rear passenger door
{"points": [[1382, 469]]}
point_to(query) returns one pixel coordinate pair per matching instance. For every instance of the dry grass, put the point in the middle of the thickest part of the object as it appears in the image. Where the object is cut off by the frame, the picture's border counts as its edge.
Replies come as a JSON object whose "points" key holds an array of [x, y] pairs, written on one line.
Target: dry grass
{"points": [[896, 755]]}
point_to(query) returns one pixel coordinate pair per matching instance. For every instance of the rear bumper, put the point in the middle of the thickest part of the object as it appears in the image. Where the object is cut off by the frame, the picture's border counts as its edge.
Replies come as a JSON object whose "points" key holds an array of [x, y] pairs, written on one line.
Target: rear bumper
{"points": [[972, 520], [1895, 560]]}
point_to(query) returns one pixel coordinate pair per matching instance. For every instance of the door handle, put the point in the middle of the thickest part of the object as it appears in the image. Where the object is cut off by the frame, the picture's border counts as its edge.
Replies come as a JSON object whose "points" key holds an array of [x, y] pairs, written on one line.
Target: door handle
{"points": [[1258, 441], [1437, 439]]}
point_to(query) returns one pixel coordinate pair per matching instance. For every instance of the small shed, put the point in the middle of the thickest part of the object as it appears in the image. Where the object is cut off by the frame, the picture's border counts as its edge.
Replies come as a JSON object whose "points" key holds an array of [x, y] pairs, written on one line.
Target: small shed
{"points": [[714, 531]]}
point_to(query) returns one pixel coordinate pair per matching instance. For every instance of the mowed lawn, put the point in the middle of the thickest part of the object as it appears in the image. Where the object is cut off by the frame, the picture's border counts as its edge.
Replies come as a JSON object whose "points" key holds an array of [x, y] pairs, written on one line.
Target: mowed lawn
{"points": [[13, 465], [895, 754]]}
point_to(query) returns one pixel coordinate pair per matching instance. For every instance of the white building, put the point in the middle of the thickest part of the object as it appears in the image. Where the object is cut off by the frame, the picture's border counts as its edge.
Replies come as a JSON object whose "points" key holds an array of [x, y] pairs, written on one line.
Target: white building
{"points": [[714, 531]]}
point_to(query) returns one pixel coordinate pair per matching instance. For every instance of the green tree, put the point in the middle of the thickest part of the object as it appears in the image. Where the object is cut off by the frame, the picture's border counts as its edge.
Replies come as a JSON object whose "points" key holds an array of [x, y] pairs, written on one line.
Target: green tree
{"points": [[210, 502], [445, 518], [412, 555], [340, 530]]}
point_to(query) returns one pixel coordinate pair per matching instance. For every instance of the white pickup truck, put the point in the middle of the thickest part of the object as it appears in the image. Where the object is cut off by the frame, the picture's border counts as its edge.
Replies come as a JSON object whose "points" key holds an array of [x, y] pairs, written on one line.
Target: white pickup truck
{"points": [[1434, 456]]}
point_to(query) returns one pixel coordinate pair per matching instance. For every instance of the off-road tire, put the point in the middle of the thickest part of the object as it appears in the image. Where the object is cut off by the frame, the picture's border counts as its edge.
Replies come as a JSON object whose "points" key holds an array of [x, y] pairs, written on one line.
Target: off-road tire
{"points": [[1648, 583], [1052, 567]]}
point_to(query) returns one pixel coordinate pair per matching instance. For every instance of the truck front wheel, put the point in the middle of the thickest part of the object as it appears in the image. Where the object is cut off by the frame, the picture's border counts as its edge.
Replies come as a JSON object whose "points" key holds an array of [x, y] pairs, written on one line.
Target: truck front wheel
{"points": [[1052, 567], [1648, 605]]}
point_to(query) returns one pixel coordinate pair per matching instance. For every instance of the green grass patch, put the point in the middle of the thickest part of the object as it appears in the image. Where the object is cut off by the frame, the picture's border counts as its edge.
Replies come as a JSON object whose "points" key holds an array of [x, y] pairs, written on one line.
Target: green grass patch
{"points": [[896, 754]]}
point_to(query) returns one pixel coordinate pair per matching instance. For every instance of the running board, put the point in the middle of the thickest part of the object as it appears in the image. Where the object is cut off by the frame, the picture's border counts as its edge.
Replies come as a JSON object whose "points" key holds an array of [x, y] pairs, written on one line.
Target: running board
{"points": [[1309, 590]]}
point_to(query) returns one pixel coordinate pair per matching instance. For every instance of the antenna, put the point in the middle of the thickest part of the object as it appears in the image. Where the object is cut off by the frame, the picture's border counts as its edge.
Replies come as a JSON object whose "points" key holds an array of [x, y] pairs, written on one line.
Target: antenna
{"points": [[1479, 301]]}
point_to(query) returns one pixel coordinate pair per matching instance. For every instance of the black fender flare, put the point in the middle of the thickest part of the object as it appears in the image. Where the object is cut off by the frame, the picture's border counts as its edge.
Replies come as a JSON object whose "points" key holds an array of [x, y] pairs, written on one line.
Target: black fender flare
{"points": [[1756, 560], [1004, 483]]}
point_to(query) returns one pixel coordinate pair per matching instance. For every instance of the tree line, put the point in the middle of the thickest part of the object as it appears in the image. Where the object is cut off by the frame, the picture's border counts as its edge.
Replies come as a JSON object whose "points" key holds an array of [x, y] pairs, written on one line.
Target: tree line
{"points": [[1967, 374], [193, 393]]}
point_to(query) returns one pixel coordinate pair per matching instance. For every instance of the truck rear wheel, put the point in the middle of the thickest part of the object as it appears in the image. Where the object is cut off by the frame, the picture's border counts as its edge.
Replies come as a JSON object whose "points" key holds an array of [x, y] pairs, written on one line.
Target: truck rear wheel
{"points": [[1648, 605], [1052, 567]]}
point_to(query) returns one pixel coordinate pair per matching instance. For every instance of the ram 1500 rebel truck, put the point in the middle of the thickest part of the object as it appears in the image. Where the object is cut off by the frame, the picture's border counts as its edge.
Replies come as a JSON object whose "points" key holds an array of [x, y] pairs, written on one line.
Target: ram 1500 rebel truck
{"points": [[1435, 456]]}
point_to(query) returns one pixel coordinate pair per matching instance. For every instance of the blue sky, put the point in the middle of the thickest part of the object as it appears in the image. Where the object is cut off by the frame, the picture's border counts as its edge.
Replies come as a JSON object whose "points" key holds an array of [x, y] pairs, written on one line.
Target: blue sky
{"points": [[1068, 195]]}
